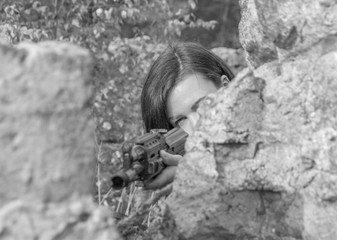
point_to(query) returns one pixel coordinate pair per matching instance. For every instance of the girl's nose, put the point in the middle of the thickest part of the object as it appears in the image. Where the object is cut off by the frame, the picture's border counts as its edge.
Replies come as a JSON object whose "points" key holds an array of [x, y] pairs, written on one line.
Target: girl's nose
{"points": [[191, 122], [193, 117]]}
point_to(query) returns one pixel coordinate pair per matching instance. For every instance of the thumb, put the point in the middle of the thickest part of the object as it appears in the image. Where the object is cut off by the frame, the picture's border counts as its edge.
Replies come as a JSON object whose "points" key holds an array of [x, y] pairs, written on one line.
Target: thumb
{"points": [[170, 159]]}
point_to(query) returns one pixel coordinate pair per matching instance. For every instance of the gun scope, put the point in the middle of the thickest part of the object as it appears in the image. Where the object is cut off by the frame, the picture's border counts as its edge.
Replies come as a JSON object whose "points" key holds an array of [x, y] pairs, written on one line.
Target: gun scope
{"points": [[119, 180], [141, 156], [123, 178]]}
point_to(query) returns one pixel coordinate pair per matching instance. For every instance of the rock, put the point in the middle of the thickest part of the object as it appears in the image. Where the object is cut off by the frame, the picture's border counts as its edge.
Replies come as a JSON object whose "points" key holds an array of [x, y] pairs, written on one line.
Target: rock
{"points": [[259, 47], [71, 219], [47, 161], [46, 132], [278, 30], [262, 161]]}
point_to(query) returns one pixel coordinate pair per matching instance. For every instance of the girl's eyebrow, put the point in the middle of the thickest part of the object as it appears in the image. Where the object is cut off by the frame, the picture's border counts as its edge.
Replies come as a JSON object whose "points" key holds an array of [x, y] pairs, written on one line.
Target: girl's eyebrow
{"points": [[193, 108], [196, 104]]}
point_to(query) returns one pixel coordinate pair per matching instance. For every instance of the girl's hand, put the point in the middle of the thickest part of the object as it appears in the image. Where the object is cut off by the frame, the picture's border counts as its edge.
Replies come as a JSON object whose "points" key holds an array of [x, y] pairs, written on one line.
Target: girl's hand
{"points": [[167, 175]]}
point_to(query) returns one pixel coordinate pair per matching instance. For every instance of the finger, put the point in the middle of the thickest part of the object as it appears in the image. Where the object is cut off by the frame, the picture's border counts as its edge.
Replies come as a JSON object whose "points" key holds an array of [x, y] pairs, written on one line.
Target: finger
{"points": [[166, 177], [163, 192], [170, 159]]}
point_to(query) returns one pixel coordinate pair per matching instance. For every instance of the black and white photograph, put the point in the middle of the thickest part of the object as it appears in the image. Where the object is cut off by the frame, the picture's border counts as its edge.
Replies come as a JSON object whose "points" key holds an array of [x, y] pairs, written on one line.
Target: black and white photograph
{"points": [[168, 119]]}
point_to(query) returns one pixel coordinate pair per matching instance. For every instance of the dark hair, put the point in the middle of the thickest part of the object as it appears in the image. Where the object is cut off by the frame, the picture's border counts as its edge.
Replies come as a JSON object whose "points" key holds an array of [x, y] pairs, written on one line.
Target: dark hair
{"points": [[178, 59]]}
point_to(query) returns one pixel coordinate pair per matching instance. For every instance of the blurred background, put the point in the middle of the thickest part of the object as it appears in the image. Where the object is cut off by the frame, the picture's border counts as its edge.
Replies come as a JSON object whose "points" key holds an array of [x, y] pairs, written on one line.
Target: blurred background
{"points": [[124, 37]]}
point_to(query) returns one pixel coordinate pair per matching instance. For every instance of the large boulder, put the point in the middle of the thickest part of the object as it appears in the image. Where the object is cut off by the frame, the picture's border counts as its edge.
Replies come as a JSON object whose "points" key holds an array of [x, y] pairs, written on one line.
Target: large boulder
{"points": [[46, 133], [280, 29], [262, 162]]}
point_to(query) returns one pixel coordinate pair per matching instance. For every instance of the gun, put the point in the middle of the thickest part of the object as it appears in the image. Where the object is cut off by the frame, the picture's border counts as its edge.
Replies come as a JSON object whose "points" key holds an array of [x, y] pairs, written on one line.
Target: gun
{"points": [[141, 155]]}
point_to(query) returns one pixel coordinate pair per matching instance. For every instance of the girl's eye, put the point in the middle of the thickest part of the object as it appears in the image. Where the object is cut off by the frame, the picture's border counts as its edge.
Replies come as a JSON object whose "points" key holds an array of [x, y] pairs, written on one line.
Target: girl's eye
{"points": [[180, 121], [196, 104]]}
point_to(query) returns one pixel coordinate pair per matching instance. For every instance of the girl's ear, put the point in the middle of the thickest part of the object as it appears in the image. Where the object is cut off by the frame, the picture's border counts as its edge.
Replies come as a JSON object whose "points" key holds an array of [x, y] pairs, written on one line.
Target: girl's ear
{"points": [[224, 80]]}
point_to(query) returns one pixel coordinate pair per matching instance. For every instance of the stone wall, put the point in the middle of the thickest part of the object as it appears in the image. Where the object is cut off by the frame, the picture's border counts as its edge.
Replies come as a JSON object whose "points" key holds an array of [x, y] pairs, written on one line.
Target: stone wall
{"points": [[47, 161], [263, 161]]}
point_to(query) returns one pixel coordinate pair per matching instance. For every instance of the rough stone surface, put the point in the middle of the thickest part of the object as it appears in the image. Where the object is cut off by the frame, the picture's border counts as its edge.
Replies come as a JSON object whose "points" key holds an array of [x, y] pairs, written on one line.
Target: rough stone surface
{"points": [[72, 219], [46, 133], [278, 29], [262, 162], [47, 161], [259, 47]]}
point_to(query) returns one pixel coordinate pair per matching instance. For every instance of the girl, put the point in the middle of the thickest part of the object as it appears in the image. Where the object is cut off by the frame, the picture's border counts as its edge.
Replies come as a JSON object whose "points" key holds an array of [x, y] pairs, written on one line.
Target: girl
{"points": [[179, 79]]}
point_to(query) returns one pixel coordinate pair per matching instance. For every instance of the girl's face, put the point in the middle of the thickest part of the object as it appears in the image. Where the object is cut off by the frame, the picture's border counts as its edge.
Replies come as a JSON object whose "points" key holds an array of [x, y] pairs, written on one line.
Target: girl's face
{"points": [[184, 100]]}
